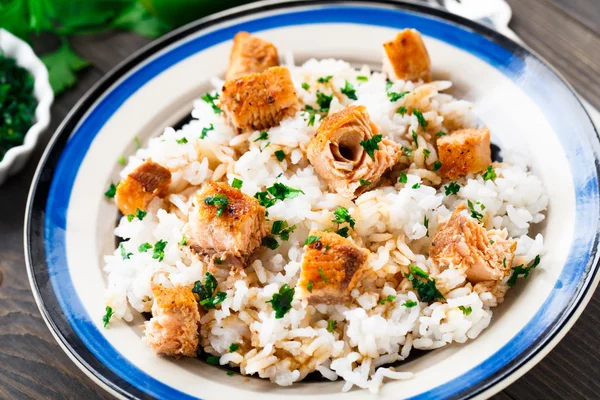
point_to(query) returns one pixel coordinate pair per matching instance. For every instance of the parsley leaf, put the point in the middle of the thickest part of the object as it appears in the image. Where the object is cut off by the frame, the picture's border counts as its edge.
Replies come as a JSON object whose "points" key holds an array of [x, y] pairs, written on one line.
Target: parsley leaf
{"points": [[325, 279], [262, 136], [323, 100], [233, 347], [309, 286], [420, 118], [280, 154], [416, 185], [452, 188], [311, 240], [349, 91], [414, 136], [426, 153], [521, 270], [370, 145], [403, 178], [437, 165], [401, 110], [407, 151], [140, 214], [343, 232], [237, 183], [206, 292], [343, 215], [212, 360], [387, 299], [393, 96], [362, 78], [159, 250], [124, 254], [144, 247], [331, 325], [107, 316], [425, 288], [465, 310], [282, 301], [62, 65], [282, 192], [282, 229], [474, 214], [122, 160], [440, 134], [305, 86], [409, 303], [264, 199], [426, 224], [270, 242], [112, 191], [324, 79], [206, 130], [364, 183], [183, 140], [183, 241], [210, 99], [220, 200], [489, 174]]}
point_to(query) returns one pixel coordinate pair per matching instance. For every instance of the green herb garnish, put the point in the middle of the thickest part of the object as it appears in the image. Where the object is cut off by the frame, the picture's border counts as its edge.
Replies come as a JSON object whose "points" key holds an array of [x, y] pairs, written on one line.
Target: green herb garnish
{"points": [[262, 136], [219, 200], [465, 310], [112, 191], [280, 154], [206, 130], [233, 347], [440, 134], [282, 229], [282, 301], [425, 288], [426, 153], [343, 232], [281, 192], [159, 250], [311, 240], [144, 247], [331, 325], [206, 292], [416, 185], [343, 215], [474, 214], [387, 299], [414, 136], [393, 96], [122, 160], [325, 279], [210, 99], [489, 174], [237, 183], [309, 286], [410, 303], [107, 316], [521, 270], [452, 188], [324, 79], [401, 110], [323, 100], [124, 254], [212, 360], [305, 86], [403, 178], [183, 140], [349, 91], [420, 118], [362, 78], [364, 183], [426, 224], [437, 165], [183, 241], [270, 242], [372, 144]]}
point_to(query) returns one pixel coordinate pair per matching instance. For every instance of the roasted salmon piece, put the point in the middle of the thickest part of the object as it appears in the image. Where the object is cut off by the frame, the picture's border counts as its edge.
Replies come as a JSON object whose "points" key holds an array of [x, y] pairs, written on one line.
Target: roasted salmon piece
{"points": [[225, 223], [348, 152], [461, 242], [146, 182], [406, 57], [464, 151], [173, 329], [259, 101], [331, 268], [250, 55]]}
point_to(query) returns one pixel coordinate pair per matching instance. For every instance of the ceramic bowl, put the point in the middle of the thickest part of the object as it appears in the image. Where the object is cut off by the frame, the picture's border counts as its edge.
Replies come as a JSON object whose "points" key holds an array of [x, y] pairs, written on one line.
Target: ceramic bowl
{"points": [[517, 95], [13, 47]]}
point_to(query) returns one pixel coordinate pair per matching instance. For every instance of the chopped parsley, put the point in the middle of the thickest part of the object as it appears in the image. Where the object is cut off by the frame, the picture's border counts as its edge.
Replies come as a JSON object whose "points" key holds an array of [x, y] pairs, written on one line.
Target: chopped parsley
{"points": [[264, 199], [305, 86], [144, 247], [233, 347], [349, 91], [474, 214], [425, 288], [465, 310], [107, 316], [394, 96], [403, 178], [159, 250], [139, 214], [440, 134], [112, 190], [416, 185], [426, 224], [237, 183], [281, 192], [324, 79], [183, 241], [312, 114], [410, 303], [489, 174], [426, 153], [343, 215], [280, 154], [219, 200], [282, 229], [212, 360], [387, 299], [262, 136], [492, 242], [229, 373], [364, 183], [311, 240], [370, 145], [401, 110], [323, 100], [282, 301], [124, 254], [452, 188], [521, 270], [362, 78], [437, 165], [420, 118], [218, 261], [325, 279], [407, 151], [331, 325], [210, 99], [270, 242], [343, 232], [309, 286], [206, 292], [138, 143], [206, 130], [122, 160], [414, 136], [183, 140]]}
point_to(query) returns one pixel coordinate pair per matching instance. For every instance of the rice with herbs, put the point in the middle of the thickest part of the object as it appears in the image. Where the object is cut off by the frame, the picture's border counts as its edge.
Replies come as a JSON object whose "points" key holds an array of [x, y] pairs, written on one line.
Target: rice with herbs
{"points": [[385, 318]]}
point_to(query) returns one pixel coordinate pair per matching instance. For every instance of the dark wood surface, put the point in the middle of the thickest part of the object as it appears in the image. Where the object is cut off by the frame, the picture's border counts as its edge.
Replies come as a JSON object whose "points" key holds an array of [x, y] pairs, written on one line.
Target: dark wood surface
{"points": [[32, 365]]}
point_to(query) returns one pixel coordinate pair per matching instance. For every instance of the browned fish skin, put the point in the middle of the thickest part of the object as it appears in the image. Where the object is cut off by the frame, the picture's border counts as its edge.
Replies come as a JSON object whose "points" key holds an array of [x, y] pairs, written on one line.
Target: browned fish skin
{"points": [[259, 101], [250, 55], [464, 151], [407, 57], [237, 232], [146, 182], [464, 243], [336, 259], [338, 157], [173, 329]]}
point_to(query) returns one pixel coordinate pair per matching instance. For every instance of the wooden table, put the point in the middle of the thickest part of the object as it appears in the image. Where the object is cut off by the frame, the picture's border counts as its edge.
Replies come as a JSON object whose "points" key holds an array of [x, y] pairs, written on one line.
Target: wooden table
{"points": [[32, 365]]}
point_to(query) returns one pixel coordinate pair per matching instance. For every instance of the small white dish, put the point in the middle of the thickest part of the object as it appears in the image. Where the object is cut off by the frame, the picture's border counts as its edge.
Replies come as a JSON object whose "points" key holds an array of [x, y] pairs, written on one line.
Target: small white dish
{"points": [[13, 47]]}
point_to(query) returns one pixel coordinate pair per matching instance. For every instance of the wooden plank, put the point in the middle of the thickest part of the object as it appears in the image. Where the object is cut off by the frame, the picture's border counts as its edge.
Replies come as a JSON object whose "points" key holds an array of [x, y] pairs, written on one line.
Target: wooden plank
{"points": [[586, 12]]}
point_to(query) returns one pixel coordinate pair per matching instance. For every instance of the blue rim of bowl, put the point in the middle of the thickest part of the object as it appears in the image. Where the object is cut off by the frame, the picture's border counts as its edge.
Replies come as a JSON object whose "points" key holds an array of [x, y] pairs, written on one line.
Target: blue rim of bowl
{"points": [[44, 222]]}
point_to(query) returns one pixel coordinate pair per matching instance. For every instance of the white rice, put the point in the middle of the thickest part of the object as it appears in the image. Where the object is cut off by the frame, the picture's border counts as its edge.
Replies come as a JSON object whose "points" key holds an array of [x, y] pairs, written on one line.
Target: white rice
{"points": [[389, 222]]}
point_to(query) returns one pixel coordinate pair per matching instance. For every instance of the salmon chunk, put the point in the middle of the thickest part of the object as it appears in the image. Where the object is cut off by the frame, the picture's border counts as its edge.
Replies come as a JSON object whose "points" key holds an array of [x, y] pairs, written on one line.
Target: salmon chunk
{"points": [[225, 223], [331, 268], [173, 329], [406, 57], [348, 152], [260, 101], [461, 242], [250, 55], [464, 151], [146, 182]]}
